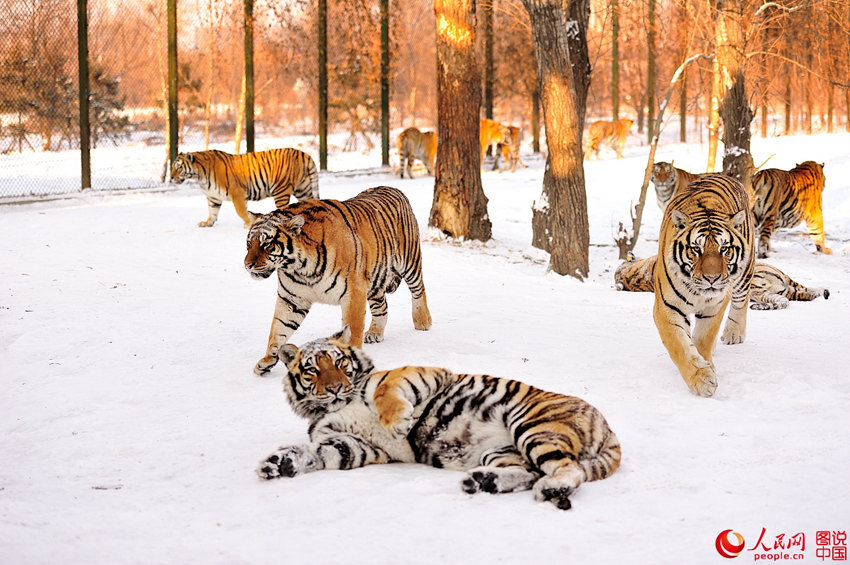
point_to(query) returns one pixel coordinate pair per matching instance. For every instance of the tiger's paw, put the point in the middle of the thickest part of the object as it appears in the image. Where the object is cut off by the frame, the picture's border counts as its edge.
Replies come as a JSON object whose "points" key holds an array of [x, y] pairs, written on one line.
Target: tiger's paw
{"points": [[285, 462], [495, 480], [373, 336], [265, 365], [732, 336], [703, 382], [206, 224], [549, 489], [398, 420]]}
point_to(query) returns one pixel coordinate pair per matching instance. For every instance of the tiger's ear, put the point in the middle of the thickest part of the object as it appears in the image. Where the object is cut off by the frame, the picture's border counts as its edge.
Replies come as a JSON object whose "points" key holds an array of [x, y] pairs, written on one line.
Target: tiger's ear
{"points": [[344, 335], [738, 219], [188, 156], [680, 219], [295, 224], [287, 353]]}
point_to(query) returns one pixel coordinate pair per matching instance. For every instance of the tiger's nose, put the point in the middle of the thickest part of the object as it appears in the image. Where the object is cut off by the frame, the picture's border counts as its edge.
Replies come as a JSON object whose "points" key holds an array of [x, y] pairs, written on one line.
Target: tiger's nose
{"points": [[334, 388], [711, 278]]}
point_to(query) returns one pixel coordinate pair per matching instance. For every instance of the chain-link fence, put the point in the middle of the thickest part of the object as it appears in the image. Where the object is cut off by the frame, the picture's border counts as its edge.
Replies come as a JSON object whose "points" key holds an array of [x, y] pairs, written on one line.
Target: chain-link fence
{"points": [[128, 69]]}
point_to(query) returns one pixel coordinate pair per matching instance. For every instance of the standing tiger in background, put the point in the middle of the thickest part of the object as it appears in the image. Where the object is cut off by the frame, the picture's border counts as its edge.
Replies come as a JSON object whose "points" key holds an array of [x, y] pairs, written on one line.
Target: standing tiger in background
{"points": [[706, 258], [507, 436], [613, 133], [668, 180], [414, 144], [279, 173], [490, 133], [344, 253], [508, 149], [785, 198], [771, 289]]}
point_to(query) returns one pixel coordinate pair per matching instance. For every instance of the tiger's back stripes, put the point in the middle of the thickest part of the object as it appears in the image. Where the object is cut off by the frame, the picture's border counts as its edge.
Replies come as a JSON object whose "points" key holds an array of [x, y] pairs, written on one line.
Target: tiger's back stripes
{"points": [[786, 198], [276, 173]]}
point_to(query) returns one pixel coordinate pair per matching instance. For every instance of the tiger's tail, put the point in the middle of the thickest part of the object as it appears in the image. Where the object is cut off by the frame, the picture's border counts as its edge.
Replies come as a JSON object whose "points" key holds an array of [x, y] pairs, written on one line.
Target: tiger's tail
{"points": [[604, 462]]}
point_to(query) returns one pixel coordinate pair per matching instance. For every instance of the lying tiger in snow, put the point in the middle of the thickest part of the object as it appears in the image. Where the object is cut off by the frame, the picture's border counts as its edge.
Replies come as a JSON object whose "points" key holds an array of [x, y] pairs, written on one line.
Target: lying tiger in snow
{"points": [[344, 253], [506, 435], [279, 173], [771, 289]]}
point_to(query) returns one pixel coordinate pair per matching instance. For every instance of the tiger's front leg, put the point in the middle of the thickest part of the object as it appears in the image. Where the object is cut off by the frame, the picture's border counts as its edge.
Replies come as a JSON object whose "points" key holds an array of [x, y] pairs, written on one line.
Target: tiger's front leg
{"points": [[696, 371], [214, 207], [338, 452], [289, 312]]}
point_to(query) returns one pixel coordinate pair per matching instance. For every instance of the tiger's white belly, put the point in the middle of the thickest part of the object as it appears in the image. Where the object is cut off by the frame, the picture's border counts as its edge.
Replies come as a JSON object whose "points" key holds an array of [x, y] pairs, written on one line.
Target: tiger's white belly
{"points": [[359, 420], [461, 444]]}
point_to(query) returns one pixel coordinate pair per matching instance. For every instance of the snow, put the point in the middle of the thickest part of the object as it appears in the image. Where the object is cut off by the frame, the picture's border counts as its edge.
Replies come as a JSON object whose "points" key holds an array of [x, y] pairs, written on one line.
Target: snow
{"points": [[131, 421]]}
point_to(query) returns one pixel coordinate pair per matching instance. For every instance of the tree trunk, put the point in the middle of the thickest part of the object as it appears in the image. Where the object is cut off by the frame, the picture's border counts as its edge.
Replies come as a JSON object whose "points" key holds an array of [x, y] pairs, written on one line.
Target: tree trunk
{"points": [[559, 218], [322, 23], [489, 74], [460, 207], [615, 60], [385, 83], [788, 100], [535, 119], [683, 87], [650, 72], [735, 108]]}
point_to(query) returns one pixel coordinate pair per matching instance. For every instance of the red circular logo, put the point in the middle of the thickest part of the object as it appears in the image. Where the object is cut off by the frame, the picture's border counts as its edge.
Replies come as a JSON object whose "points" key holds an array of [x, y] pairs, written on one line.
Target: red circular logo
{"points": [[728, 548]]}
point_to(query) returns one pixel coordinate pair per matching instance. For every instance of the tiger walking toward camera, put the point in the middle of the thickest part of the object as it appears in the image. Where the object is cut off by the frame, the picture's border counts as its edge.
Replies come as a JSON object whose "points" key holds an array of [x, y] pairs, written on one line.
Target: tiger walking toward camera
{"points": [[276, 173], [506, 435], [705, 263]]}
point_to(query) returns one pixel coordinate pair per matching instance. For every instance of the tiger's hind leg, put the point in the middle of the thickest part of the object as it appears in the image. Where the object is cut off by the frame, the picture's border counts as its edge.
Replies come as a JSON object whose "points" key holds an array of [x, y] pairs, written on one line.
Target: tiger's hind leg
{"points": [[413, 277], [814, 224], [767, 301], [501, 470]]}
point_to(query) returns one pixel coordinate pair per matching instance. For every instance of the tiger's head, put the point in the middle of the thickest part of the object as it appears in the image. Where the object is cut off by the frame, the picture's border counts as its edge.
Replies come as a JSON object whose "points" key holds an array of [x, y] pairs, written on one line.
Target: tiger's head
{"points": [[276, 241], [324, 374], [183, 168], [663, 173], [708, 250]]}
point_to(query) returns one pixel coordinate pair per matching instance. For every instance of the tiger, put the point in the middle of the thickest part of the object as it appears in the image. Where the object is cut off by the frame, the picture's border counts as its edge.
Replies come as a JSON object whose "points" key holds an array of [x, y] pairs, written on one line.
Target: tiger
{"points": [[613, 133], [667, 180], [785, 198], [771, 289], [706, 260], [490, 132], [279, 173], [344, 253], [508, 149], [507, 436], [414, 144]]}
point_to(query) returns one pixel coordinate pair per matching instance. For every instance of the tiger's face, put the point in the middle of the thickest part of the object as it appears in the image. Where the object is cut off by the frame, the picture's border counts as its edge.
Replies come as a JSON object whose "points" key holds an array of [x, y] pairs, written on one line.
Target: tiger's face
{"points": [[708, 252], [324, 374], [183, 168], [275, 242], [663, 173]]}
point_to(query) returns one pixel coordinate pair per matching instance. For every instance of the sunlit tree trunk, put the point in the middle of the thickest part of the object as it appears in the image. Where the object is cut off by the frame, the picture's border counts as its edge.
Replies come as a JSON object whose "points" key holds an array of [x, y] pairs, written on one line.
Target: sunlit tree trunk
{"points": [[735, 108], [651, 103], [559, 219], [713, 116], [615, 59], [460, 207]]}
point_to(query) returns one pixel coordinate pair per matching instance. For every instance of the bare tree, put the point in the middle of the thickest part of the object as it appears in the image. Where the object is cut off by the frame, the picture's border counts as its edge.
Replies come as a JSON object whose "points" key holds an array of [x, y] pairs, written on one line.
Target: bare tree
{"points": [[460, 207], [559, 221]]}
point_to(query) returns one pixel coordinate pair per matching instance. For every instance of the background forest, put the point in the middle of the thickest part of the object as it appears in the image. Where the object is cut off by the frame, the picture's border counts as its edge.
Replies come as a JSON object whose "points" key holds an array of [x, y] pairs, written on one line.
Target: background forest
{"points": [[798, 58]]}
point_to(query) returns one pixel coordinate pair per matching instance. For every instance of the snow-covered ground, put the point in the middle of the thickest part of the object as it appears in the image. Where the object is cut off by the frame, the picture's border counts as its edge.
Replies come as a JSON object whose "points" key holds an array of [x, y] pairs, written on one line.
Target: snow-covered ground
{"points": [[131, 422]]}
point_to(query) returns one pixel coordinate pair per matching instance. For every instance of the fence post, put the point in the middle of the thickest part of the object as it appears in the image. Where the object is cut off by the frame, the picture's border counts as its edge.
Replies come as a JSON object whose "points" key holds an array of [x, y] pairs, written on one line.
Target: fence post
{"points": [[83, 67], [249, 75], [172, 81]]}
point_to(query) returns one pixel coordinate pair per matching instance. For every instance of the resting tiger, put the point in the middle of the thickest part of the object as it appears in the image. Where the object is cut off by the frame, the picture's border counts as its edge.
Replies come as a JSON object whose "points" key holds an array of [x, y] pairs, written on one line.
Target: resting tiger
{"points": [[506, 435], [508, 149], [414, 144], [785, 198], [490, 133], [613, 133], [278, 173], [668, 180], [706, 257], [771, 289], [344, 253]]}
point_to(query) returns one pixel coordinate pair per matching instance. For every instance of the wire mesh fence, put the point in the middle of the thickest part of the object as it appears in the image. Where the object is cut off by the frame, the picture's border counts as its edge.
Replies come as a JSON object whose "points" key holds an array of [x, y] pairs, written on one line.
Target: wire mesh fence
{"points": [[127, 43]]}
